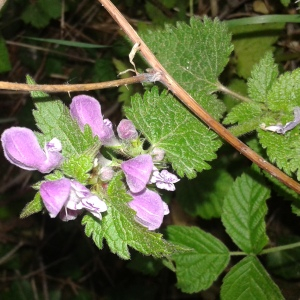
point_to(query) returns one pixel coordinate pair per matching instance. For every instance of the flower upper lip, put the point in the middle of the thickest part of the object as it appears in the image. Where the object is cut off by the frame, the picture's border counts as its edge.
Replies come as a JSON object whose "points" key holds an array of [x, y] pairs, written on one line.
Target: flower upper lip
{"points": [[22, 149]]}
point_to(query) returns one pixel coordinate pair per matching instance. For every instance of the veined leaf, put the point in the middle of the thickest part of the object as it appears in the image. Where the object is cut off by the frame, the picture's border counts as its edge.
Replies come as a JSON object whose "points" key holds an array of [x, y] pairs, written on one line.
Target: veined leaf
{"points": [[200, 51], [53, 119], [120, 229], [197, 269], [168, 125], [32, 207], [249, 280], [244, 210]]}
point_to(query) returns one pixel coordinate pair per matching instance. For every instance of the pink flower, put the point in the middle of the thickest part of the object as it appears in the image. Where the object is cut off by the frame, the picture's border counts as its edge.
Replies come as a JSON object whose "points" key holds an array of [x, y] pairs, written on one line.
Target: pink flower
{"points": [[69, 198], [126, 130], [22, 149], [86, 110], [149, 207], [137, 172], [164, 180]]}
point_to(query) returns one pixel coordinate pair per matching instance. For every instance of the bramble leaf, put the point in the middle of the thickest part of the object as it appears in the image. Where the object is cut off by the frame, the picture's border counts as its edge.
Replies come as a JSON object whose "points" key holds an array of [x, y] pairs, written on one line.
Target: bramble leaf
{"points": [[244, 210], [168, 125], [120, 229], [249, 280], [198, 268]]}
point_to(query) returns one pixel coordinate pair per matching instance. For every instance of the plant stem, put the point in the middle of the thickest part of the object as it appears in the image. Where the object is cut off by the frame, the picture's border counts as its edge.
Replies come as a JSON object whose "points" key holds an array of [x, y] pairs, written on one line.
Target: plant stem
{"points": [[189, 102], [280, 248], [54, 88], [231, 93]]}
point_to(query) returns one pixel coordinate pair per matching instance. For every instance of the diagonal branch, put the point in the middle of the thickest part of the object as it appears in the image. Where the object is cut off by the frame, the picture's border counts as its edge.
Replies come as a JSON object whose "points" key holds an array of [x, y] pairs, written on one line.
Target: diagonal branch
{"points": [[187, 100]]}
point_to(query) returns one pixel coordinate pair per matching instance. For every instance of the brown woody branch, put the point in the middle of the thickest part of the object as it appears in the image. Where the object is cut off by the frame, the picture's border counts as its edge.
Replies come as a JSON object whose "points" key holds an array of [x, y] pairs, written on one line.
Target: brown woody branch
{"points": [[187, 100]]}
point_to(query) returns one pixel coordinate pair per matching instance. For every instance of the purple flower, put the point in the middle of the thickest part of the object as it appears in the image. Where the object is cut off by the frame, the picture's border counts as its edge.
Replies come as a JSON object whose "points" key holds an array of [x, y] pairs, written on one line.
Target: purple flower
{"points": [[86, 110], [22, 149], [158, 154], [126, 130], [150, 209], [164, 180], [137, 172], [68, 198]]}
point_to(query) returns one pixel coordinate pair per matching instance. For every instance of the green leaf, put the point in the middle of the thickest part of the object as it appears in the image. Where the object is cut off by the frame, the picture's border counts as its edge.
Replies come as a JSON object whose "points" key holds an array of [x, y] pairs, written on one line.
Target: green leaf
{"points": [[197, 269], [120, 229], [249, 280], [5, 65], [35, 16], [244, 210], [251, 42], [53, 119], [78, 166], [168, 125], [204, 195], [200, 51], [51, 7], [285, 92], [32, 207], [285, 2], [263, 75]]}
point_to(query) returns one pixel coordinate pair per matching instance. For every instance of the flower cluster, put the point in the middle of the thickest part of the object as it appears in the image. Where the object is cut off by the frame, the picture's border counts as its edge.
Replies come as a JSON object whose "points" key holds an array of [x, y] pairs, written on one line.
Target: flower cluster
{"points": [[66, 197]]}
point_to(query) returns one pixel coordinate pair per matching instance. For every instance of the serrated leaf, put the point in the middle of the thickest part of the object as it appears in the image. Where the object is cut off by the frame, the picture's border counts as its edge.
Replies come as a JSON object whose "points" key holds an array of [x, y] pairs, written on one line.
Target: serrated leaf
{"points": [[251, 42], [285, 92], [78, 166], [249, 280], [168, 125], [35, 16], [53, 119], [244, 210], [200, 51], [263, 75], [32, 207], [197, 269], [120, 229], [204, 195]]}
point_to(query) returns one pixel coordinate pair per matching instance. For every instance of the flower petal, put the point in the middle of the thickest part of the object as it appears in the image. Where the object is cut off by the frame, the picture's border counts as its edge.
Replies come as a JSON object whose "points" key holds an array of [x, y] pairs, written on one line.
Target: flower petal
{"points": [[87, 110], [55, 194], [126, 130], [150, 209], [137, 172], [22, 149]]}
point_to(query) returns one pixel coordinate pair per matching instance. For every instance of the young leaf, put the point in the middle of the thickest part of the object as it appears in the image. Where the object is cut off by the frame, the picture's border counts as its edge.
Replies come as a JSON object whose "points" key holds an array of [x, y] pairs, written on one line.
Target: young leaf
{"points": [[120, 229], [200, 51], [53, 119], [168, 125], [204, 195], [263, 75], [197, 269], [32, 207], [244, 209], [249, 280]]}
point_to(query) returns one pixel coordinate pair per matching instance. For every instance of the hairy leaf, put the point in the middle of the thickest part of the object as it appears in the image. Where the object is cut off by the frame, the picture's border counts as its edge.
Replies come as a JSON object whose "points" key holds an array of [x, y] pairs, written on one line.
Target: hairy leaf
{"points": [[244, 210], [198, 268], [249, 280], [32, 207], [168, 125], [120, 229], [263, 75], [53, 119], [200, 51]]}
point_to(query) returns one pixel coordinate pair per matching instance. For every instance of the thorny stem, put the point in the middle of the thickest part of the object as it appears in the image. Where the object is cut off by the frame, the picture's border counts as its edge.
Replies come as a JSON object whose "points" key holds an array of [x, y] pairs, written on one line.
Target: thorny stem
{"points": [[54, 88], [187, 100]]}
